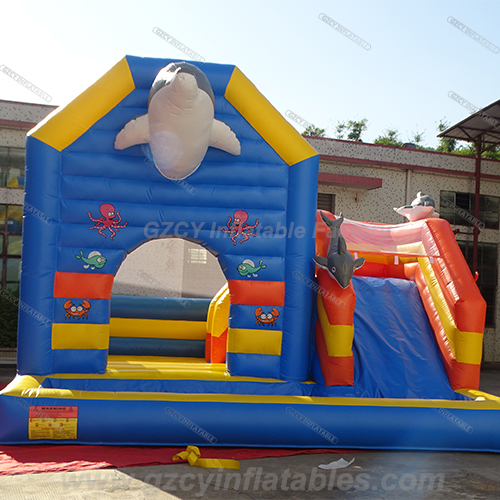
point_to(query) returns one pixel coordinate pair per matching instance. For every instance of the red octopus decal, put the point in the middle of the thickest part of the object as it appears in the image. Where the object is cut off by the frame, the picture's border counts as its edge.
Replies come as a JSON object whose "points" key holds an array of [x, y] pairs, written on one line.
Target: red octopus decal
{"points": [[107, 220], [239, 227]]}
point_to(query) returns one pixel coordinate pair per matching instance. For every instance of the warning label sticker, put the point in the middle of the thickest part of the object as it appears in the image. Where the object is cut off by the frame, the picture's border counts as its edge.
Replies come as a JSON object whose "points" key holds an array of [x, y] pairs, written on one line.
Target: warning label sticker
{"points": [[53, 422]]}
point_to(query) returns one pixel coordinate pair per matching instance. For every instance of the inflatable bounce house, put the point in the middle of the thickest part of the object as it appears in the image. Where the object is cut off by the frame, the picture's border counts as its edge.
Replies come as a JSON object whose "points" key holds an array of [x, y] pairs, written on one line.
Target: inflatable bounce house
{"points": [[294, 351]]}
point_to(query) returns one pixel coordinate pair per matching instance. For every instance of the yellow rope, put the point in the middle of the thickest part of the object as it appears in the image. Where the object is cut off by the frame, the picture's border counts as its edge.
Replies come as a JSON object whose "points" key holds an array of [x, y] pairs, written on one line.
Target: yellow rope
{"points": [[192, 455]]}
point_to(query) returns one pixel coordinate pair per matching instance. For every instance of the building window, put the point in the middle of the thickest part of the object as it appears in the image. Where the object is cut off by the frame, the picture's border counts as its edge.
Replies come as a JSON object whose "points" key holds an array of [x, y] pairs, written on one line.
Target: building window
{"points": [[12, 167], [487, 255], [11, 225], [197, 256], [458, 208], [326, 201]]}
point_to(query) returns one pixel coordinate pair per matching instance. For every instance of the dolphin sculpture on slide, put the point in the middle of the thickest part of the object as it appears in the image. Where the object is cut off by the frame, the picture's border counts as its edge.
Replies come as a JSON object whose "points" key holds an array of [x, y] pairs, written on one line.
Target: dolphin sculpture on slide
{"points": [[179, 125], [339, 263], [422, 207]]}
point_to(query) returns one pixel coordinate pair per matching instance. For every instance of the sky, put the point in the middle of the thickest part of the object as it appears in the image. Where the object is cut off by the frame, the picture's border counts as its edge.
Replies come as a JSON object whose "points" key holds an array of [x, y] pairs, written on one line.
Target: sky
{"points": [[409, 58]]}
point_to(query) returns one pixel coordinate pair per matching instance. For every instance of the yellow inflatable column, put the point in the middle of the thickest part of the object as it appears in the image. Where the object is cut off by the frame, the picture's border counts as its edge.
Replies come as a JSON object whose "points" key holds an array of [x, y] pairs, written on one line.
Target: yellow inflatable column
{"points": [[217, 326]]}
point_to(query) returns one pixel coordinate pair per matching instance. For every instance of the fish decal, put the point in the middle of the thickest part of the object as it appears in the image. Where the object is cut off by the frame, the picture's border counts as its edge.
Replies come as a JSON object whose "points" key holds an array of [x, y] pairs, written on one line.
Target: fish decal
{"points": [[248, 268], [94, 260]]}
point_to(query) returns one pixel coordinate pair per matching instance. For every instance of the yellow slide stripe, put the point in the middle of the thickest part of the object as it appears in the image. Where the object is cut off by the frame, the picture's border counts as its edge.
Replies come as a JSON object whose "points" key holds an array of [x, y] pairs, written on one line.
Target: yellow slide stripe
{"points": [[66, 124], [266, 120], [80, 336], [466, 346], [254, 341], [338, 338], [157, 328]]}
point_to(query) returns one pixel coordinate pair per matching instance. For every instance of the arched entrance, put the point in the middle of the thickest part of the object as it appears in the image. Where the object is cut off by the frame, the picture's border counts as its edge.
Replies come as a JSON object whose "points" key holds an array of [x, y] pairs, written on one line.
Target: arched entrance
{"points": [[160, 300], [169, 267]]}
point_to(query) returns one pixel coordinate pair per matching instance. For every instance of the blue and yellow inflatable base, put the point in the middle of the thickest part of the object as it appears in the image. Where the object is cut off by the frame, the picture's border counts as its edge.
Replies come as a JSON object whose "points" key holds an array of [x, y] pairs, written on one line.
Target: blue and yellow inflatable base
{"points": [[282, 414]]}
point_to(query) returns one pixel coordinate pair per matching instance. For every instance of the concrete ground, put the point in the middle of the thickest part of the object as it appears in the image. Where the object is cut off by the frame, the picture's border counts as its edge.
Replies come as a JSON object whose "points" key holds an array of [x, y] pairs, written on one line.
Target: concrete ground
{"points": [[387, 475]]}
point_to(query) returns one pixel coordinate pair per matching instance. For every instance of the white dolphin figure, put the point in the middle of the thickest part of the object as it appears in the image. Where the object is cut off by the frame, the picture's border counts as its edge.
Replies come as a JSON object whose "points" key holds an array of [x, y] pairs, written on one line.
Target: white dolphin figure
{"points": [[180, 124], [422, 207]]}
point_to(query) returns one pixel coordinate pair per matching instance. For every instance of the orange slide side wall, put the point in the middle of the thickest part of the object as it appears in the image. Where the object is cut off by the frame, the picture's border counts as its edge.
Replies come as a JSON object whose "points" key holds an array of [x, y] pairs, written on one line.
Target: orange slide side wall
{"points": [[454, 305], [335, 330], [452, 301]]}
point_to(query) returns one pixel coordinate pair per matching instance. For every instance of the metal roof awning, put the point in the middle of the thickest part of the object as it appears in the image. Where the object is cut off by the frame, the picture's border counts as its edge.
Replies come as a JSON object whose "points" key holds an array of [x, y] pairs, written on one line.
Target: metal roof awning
{"points": [[483, 123], [482, 128]]}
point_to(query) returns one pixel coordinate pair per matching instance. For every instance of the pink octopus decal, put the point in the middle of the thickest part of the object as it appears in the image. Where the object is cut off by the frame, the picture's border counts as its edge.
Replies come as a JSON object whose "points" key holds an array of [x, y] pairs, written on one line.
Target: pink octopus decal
{"points": [[107, 220], [239, 226]]}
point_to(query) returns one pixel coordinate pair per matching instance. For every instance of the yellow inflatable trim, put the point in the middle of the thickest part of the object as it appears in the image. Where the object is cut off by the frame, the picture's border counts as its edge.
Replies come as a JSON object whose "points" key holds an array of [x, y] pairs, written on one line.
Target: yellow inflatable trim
{"points": [[18, 388], [466, 346], [157, 328], [67, 123], [165, 368], [242, 340], [80, 336], [338, 338], [478, 395], [266, 120], [218, 312]]}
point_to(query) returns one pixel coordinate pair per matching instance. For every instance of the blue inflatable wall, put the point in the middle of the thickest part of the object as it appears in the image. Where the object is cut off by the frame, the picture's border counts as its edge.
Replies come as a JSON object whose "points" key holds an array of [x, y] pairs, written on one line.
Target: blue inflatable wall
{"points": [[74, 175]]}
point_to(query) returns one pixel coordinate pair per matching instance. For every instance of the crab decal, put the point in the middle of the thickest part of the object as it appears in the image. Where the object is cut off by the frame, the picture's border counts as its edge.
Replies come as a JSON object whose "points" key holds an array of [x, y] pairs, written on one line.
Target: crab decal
{"points": [[73, 311], [238, 226], [108, 220], [268, 319]]}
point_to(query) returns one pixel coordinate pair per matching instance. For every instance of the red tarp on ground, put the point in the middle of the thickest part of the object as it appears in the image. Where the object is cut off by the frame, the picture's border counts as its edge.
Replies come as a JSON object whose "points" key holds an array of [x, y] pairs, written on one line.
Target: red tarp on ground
{"points": [[58, 458]]}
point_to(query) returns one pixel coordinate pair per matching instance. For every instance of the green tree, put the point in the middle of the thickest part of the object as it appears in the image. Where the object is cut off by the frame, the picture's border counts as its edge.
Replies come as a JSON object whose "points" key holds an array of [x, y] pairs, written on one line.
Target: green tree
{"points": [[356, 128], [445, 145], [8, 318], [462, 147], [493, 153], [313, 131], [353, 129], [469, 149], [417, 138], [340, 130], [389, 138]]}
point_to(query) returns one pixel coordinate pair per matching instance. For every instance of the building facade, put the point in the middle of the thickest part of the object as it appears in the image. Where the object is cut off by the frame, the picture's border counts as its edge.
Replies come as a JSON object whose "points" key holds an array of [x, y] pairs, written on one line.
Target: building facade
{"points": [[16, 118], [367, 181], [363, 181]]}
